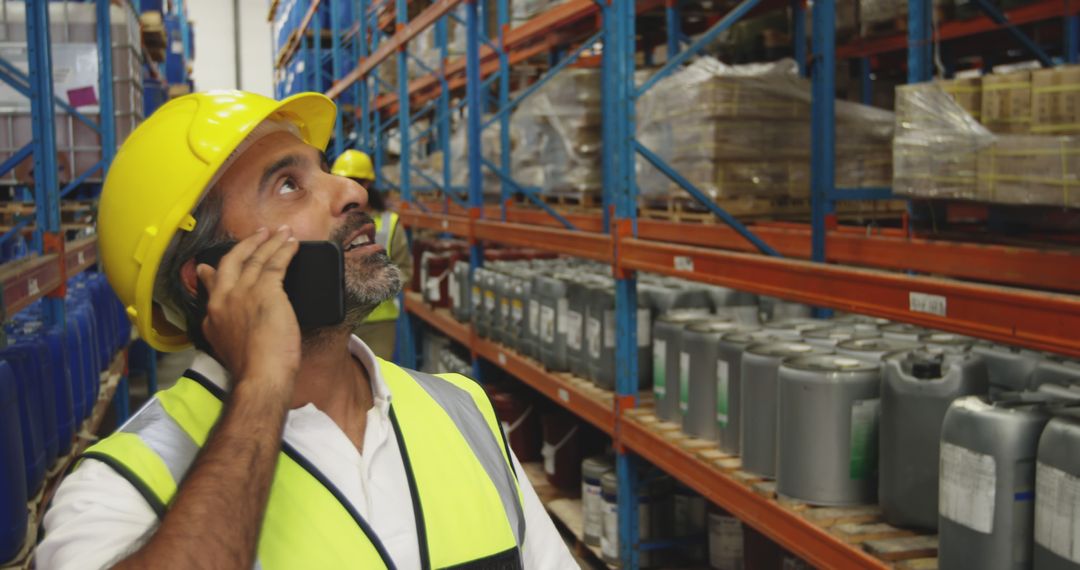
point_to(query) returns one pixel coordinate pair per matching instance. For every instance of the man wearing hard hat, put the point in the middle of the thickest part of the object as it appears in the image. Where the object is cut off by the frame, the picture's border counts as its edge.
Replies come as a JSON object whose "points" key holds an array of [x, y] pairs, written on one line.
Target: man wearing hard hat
{"points": [[379, 330], [280, 447]]}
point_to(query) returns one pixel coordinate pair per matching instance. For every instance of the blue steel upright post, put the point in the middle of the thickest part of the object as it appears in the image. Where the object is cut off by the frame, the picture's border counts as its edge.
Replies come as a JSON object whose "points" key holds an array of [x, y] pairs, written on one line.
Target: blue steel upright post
{"points": [[503, 15], [474, 104], [337, 51], [822, 124], [46, 189], [920, 46], [625, 225]]}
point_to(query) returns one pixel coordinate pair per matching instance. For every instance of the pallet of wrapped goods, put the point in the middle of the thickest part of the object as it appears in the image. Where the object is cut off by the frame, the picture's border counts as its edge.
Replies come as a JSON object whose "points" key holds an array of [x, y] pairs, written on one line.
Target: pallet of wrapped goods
{"points": [[1030, 170], [966, 92], [1006, 102], [558, 130], [1055, 101], [935, 149]]}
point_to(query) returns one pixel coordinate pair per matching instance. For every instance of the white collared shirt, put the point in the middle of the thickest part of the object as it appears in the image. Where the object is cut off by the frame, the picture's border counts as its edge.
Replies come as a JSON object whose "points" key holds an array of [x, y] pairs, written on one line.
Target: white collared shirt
{"points": [[97, 517]]}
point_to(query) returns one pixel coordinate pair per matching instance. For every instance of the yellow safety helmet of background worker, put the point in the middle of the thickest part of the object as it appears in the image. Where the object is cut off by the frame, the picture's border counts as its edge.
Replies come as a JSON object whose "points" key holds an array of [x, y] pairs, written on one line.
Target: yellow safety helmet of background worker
{"points": [[354, 164], [160, 174]]}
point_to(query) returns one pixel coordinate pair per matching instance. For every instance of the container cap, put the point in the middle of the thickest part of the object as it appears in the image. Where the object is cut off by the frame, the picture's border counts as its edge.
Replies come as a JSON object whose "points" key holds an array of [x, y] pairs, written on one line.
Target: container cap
{"points": [[719, 325], [903, 328], [840, 333]]}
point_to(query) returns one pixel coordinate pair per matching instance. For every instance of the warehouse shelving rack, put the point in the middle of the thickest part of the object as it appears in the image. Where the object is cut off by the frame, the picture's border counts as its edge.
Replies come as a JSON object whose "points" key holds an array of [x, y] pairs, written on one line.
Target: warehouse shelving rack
{"points": [[44, 276], [980, 289]]}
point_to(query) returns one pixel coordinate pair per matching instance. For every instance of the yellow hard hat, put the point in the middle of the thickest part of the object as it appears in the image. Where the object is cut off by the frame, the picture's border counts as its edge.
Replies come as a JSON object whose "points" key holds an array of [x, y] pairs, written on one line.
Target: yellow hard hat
{"points": [[160, 174], [354, 164]]}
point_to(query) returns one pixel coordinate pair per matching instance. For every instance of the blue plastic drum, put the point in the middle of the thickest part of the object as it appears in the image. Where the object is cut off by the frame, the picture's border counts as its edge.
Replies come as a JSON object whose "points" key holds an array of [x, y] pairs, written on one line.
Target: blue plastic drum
{"points": [[13, 494], [33, 442], [62, 389]]}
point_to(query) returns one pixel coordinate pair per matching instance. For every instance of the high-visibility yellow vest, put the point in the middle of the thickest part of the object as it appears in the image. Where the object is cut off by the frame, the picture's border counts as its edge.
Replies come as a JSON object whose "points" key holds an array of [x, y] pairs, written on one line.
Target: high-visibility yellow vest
{"points": [[385, 225], [465, 495]]}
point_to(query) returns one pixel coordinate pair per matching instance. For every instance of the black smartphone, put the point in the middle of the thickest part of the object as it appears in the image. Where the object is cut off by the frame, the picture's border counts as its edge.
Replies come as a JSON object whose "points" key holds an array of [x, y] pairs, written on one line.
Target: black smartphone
{"points": [[314, 281]]}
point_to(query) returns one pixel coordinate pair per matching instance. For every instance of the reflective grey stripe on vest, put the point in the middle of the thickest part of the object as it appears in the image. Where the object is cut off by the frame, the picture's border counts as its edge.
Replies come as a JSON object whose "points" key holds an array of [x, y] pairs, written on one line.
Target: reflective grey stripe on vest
{"points": [[462, 409], [382, 237], [156, 428]]}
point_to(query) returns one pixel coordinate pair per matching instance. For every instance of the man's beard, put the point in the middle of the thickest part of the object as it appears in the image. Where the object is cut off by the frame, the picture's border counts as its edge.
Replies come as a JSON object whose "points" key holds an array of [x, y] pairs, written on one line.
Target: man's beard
{"points": [[369, 281]]}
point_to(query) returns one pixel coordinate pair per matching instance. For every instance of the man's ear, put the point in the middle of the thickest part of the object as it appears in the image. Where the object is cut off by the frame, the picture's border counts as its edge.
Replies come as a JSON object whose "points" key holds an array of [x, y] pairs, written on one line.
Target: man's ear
{"points": [[189, 278]]}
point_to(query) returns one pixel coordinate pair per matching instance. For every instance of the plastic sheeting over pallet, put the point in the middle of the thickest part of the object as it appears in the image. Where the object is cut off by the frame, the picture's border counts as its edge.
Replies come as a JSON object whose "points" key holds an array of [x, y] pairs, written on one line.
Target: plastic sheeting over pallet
{"points": [[744, 131], [941, 151]]}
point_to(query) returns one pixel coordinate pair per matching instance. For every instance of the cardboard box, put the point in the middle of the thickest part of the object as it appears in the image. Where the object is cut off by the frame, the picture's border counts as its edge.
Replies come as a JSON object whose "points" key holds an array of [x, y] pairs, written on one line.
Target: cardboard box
{"points": [[1006, 102], [966, 92], [1055, 101]]}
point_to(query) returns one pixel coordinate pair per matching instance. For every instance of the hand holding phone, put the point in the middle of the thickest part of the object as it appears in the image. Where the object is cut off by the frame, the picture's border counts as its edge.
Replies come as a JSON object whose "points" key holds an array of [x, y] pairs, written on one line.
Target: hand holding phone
{"points": [[248, 321]]}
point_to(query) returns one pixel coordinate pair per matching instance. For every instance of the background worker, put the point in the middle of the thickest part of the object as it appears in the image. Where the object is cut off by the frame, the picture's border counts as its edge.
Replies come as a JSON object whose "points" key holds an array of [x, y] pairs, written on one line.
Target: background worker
{"points": [[279, 448], [379, 330]]}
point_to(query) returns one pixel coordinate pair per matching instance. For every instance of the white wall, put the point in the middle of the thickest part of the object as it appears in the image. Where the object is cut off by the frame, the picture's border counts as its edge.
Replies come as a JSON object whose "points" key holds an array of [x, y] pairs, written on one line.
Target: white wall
{"points": [[215, 46]]}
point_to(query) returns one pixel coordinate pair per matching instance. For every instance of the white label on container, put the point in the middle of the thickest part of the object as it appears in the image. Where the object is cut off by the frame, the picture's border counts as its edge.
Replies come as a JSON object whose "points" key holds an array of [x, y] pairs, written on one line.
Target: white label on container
{"points": [[684, 263], [433, 293], [644, 328], [560, 321], [725, 542], [924, 303], [592, 336], [504, 308], [722, 393], [1057, 511], [489, 301], [684, 381], [573, 330], [967, 487], [864, 439], [32, 286], [547, 325], [534, 318], [517, 311], [178, 47], [455, 300], [609, 329], [659, 363], [548, 453], [593, 508], [609, 541], [476, 297]]}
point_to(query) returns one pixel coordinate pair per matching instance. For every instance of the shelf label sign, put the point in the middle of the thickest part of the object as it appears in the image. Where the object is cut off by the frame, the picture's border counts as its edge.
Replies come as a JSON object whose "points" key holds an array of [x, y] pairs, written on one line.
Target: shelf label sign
{"points": [[684, 263], [32, 286], [924, 303], [446, 224], [564, 395], [502, 359], [82, 258]]}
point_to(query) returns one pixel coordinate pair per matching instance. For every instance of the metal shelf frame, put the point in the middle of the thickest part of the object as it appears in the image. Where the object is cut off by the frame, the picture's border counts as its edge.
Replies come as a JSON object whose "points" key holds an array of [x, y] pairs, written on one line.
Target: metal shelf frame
{"points": [[821, 263]]}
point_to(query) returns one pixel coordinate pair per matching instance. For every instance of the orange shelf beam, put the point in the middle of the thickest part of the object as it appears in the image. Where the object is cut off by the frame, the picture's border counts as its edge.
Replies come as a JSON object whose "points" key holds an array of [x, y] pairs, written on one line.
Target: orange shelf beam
{"points": [[1038, 320], [1047, 269], [1035, 12], [24, 281]]}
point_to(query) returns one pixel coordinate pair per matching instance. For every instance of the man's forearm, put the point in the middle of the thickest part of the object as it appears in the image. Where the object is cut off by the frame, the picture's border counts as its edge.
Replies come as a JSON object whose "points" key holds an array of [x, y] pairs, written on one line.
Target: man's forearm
{"points": [[215, 519]]}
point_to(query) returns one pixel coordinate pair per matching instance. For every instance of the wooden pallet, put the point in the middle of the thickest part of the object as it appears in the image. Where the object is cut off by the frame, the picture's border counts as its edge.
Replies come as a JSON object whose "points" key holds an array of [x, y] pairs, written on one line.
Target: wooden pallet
{"points": [[686, 210], [576, 201], [153, 34], [860, 526], [566, 511]]}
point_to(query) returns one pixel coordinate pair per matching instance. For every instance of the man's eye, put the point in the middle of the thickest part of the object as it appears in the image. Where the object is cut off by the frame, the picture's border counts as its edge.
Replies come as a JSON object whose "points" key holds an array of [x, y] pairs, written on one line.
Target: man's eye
{"points": [[288, 187]]}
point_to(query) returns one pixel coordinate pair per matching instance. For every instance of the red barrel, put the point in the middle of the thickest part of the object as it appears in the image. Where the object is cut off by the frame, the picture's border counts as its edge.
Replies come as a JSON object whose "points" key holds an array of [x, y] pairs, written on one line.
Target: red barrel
{"points": [[562, 449], [435, 274], [521, 423]]}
